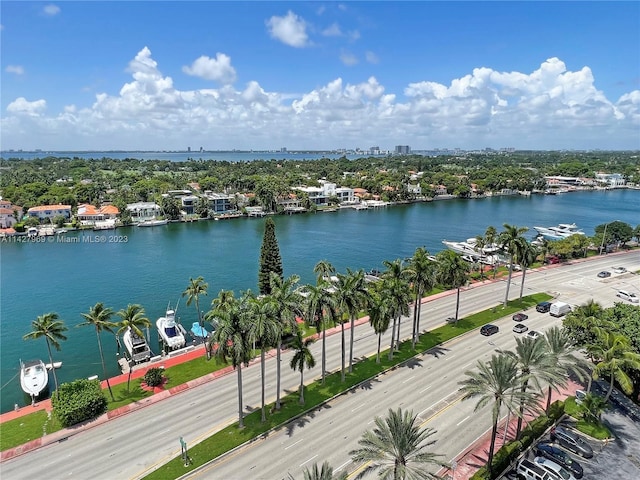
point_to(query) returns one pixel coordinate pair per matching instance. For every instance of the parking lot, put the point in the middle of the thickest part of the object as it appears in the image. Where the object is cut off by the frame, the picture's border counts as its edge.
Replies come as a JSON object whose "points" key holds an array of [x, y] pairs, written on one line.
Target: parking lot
{"points": [[617, 458]]}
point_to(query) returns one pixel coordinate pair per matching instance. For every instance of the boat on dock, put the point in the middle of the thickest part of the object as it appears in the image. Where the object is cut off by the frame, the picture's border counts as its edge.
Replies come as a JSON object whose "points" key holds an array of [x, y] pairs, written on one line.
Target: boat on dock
{"points": [[137, 347], [171, 333], [154, 222], [34, 378]]}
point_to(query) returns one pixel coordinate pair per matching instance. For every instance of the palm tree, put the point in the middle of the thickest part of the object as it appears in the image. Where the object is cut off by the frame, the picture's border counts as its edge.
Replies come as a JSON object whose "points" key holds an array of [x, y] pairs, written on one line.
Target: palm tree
{"points": [[525, 256], [452, 270], [496, 382], [193, 291], [490, 238], [559, 346], [231, 340], [615, 357], [320, 308], [479, 246], [396, 296], [51, 328], [263, 330], [351, 296], [397, 275], [100, 318], [302, 357], [132, 318], [378, 310], [509, 239], [287, 300], [324, 270], [397, 448], [325, 472], [534, 364], [422, 274]]}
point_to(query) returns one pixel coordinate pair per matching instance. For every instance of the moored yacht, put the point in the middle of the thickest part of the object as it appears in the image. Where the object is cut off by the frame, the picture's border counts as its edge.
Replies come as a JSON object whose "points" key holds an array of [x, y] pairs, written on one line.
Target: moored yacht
{"points": [[560, 231], [34, 378], [137, 347], [171, 332]]}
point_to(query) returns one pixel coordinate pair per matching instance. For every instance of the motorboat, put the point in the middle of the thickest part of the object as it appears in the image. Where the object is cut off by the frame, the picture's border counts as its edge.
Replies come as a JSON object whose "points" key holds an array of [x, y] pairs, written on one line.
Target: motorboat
{"points": [[154, 222], [198, 331], [171, 332], [34, 378], [137, 347], [559, 232]]}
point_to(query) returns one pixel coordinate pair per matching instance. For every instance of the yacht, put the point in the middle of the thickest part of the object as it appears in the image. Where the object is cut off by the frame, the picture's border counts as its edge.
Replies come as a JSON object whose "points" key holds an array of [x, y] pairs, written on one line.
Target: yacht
{"points": [[155, 222], [171, 333], [560, 231], [137, 347], [34, 378]]}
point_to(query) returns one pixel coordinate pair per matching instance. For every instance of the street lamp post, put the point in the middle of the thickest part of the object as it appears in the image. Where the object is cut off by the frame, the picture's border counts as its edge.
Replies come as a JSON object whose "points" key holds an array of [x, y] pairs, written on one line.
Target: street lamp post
{"points": [[604, 235]]}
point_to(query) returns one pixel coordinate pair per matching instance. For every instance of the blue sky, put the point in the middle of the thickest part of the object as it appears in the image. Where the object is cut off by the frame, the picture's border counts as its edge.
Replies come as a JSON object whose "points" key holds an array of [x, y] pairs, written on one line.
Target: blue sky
{"points": [[319, 75]]}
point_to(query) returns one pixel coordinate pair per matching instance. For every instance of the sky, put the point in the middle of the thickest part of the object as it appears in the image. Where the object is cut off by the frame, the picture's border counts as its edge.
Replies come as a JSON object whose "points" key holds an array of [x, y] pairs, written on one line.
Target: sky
{"points": [[306, 75]]}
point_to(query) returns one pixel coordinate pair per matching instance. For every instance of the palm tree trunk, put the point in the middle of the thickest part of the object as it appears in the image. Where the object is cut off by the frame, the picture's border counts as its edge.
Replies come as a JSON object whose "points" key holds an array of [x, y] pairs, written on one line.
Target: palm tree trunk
{"points": [[419, 313], [240, 417], [324, 353], [398, 333], [606, 398], [353, 325], [53, 370], [519, 427], [494, 432], [393, 337], [278, 374], [379, 342], [457, 303], [506, 296], [302, 385], [343, 350], [414, 327], [524, 273], [262, 375], [104, 369], [546, 410]]}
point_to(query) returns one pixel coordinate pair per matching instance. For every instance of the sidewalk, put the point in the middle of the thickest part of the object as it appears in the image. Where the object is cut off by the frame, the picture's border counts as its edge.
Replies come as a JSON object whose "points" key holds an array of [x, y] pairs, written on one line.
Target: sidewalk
{"points": [[476, 455]]}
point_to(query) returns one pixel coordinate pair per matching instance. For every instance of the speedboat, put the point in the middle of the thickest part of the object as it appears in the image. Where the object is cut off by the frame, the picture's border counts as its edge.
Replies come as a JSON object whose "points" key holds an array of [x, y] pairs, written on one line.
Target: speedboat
{"points": [[562, 230], [34, 378], [171, 333], [155, 222], [137, 347]]}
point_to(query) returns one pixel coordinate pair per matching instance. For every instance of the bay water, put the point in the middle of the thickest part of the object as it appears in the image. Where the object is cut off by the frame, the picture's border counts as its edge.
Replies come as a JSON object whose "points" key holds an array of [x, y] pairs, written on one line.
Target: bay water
{"points": [[152, 266]]}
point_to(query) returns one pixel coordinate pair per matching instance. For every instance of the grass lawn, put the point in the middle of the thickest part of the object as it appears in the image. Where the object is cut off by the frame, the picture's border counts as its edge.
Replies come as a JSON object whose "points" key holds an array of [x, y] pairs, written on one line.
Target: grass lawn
{"points": [[594, 430], [24, 429]]}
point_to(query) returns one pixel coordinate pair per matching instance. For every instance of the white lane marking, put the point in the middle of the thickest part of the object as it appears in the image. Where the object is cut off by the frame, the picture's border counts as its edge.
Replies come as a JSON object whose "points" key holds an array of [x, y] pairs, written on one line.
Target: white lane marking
{"points": [[342, 466], [307, 461], [358, 407], [287, 448], [463, 420], [408, 379]]}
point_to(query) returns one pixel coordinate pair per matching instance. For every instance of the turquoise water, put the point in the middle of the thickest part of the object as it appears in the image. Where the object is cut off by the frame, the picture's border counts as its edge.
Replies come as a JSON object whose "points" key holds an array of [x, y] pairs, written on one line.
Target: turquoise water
{"points": [[152, 266]]}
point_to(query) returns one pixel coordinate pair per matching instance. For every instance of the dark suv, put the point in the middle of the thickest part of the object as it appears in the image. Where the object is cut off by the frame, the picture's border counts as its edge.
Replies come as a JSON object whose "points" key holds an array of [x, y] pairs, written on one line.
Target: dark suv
{"points": [[559, 456], [489, 329], [571, 441], [543, 307]]}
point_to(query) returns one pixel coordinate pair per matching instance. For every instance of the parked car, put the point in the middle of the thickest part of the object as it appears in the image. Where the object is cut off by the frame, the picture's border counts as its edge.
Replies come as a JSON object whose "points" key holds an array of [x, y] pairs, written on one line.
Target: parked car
{"points": [[489, 329], [629, 296], [604, 274], [559, 456], [520, 328], [533, 334], [554, 468], [528, 470], [552, 260], [619, 270], [559, 309], [571, 441], [543, 307], [520, 317]]}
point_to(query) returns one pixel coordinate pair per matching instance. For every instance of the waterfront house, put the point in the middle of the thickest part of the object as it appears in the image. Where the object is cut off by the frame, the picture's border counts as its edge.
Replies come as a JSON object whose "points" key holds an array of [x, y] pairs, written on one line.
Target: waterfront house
{"points": [[9, 214], [89, 215], [613, 180], [49, 212], [219, 202], [141, 211]]}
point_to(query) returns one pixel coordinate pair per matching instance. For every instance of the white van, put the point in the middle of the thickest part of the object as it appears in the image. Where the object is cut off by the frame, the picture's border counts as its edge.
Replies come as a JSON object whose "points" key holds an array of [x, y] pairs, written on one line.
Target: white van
{"points": [[559, 309]]}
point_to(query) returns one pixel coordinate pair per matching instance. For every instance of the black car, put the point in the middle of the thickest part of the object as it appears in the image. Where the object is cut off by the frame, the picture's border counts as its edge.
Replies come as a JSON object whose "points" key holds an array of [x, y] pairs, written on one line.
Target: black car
{"points": [[569, 440], [489, 329], [543, 307], [520, 317], [559, 456]]}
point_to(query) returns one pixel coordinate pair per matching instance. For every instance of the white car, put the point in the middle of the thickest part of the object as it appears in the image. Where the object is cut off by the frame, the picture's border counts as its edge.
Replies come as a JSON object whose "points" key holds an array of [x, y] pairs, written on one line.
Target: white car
{"points": [[619, 270], [533, 334], [631, 297]]}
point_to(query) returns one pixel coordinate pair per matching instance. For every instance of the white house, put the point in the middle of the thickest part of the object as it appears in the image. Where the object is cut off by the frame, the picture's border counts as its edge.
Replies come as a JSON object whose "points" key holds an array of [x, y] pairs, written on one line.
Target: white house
{"points": [[611, 179], [141, 211], [43, 212]]}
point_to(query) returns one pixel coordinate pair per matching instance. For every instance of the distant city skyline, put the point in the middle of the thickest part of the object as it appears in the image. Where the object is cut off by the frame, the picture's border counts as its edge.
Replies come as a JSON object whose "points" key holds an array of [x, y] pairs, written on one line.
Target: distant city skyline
{"points": [[325, 76]]}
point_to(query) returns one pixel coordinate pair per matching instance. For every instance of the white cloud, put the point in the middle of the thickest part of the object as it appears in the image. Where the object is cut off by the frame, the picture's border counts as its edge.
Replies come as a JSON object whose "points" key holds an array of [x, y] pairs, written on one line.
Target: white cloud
{"points": [[218, 69], [348, 59], [290, 30], [332, 30], [21, 106], [371, 57], [17, 69], [551, 107], [51, 10]]}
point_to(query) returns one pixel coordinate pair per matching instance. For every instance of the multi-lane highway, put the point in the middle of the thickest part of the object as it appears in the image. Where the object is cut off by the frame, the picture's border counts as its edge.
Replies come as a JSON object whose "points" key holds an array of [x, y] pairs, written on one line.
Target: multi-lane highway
{"points": [[130, 446]]}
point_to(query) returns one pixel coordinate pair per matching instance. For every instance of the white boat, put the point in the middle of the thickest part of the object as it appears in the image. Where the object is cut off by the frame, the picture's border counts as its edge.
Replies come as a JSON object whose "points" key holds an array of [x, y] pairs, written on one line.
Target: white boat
{"points": [[560, 231], [171, 333], [137, 347], [155, 222], [488, 255], [32, 232], [34, 378]]}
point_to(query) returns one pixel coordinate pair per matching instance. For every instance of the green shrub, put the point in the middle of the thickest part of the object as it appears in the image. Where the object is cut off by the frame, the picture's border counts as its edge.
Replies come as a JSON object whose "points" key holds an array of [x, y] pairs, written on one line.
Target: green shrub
{"points": [[78, 401], [154, 377]]}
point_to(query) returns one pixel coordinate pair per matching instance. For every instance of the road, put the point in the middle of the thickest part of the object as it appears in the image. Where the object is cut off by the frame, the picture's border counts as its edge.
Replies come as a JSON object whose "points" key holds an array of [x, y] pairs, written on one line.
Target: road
{"points": [[132, 445]]}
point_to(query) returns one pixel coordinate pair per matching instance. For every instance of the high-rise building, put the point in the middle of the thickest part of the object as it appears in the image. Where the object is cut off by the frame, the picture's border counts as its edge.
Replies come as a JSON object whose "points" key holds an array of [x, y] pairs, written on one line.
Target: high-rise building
{"points": [[403, 149]]}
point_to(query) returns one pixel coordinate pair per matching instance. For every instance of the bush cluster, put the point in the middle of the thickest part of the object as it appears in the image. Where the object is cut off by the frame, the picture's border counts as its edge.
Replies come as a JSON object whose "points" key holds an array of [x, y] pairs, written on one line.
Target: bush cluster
{"points": [[154, 377], [78, 401]]}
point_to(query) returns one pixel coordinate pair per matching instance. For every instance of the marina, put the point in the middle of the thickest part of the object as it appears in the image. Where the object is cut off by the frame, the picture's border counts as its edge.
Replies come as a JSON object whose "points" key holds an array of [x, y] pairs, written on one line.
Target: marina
{"points": [[154, 264]]}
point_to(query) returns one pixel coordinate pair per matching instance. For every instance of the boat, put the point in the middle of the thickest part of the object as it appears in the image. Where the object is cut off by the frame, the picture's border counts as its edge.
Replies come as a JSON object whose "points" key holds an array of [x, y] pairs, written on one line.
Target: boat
{"points": [[198, 331], [55, 365], [137, 347], [559, 232], [171, 333], [32, 232], [488, 255], [109, 224], [34, 378], [154, 222]]}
